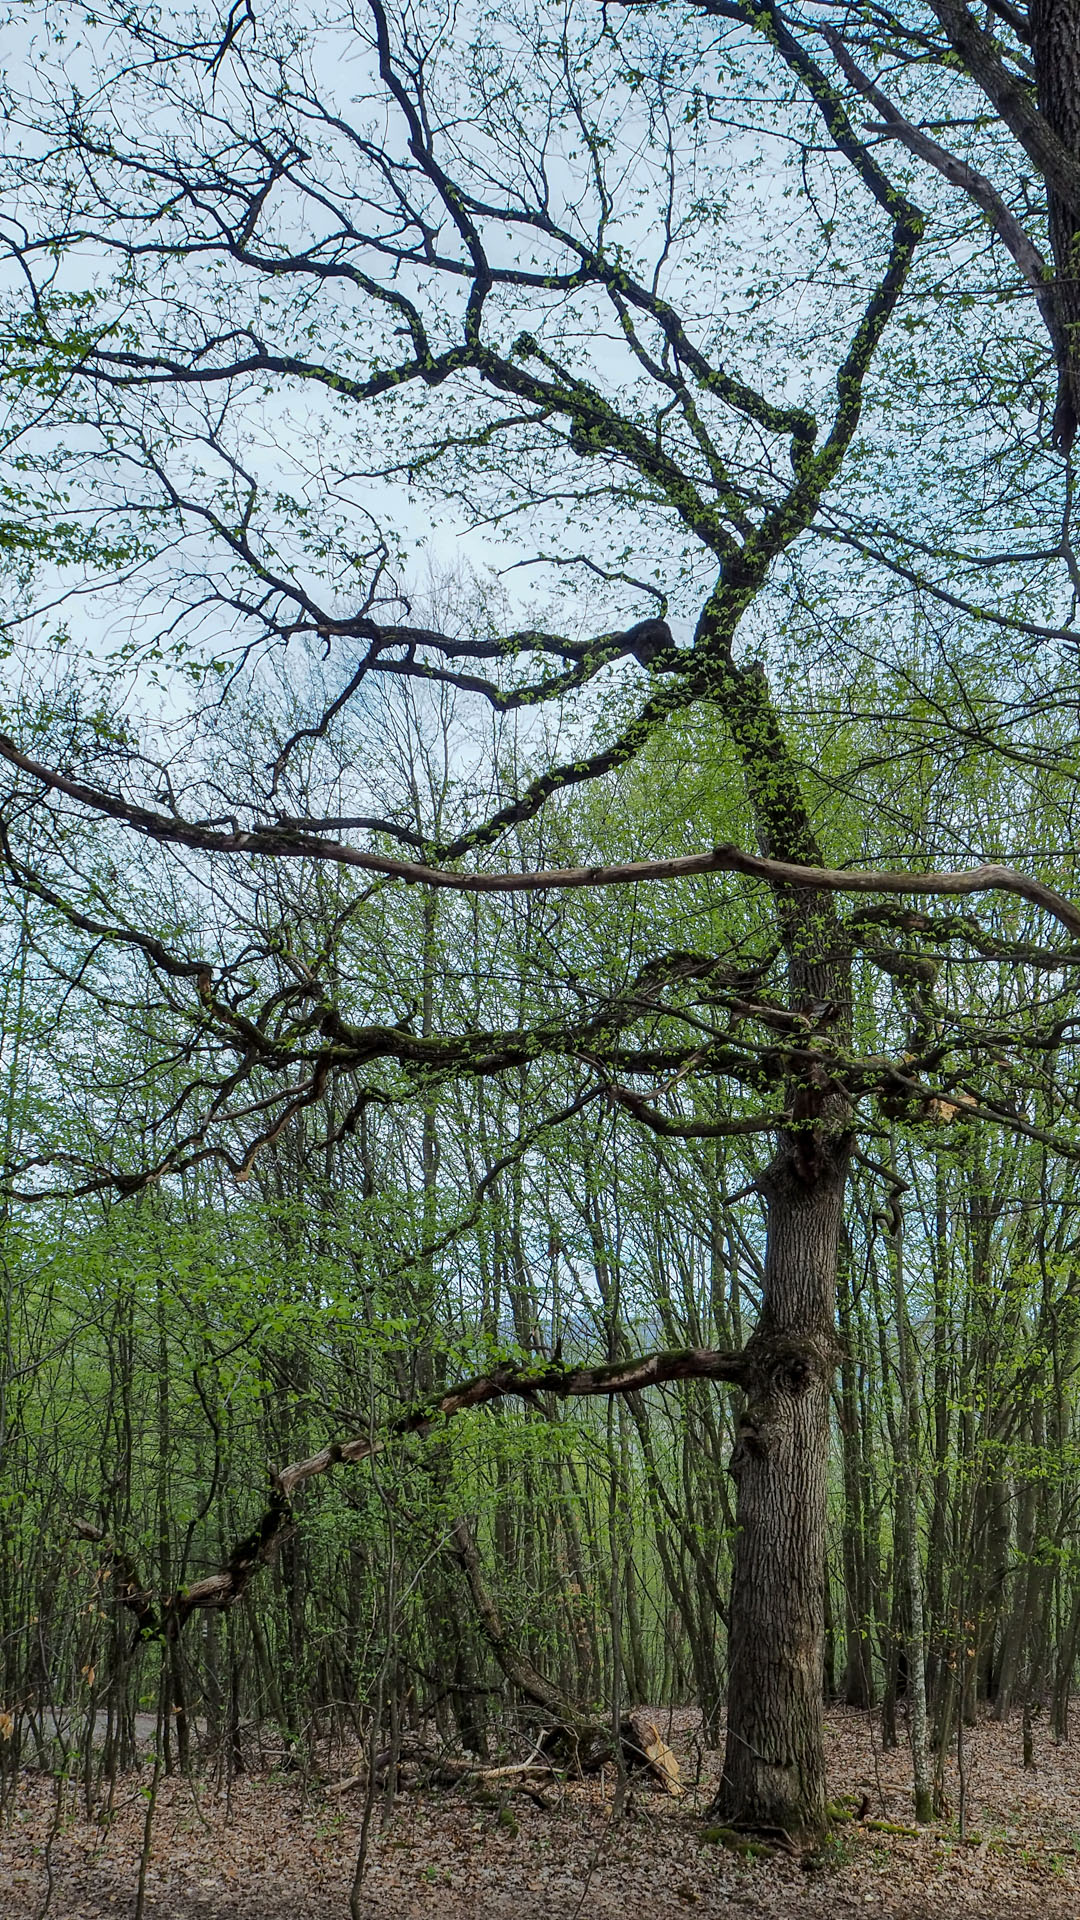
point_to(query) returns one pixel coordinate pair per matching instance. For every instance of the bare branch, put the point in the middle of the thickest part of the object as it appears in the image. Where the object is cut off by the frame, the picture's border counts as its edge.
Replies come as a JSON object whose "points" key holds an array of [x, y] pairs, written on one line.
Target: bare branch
{"points": [[277, 842], [1013, 236]]}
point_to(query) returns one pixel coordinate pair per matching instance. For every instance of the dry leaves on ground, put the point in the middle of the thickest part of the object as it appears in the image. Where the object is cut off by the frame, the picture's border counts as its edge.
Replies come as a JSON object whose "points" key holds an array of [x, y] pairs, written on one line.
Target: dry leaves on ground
{"points": [[283, 1849]]}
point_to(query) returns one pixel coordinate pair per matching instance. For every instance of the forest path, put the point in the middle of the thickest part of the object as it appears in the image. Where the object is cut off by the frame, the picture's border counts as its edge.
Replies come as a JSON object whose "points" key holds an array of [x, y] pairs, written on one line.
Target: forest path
{"points": [[274, 1850]]}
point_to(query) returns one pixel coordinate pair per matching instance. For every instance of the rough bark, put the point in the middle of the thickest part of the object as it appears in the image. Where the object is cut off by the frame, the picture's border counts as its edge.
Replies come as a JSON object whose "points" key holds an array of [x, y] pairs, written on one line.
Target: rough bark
{"points": [[1055, 50], [774, 1772], [774, 1763]]}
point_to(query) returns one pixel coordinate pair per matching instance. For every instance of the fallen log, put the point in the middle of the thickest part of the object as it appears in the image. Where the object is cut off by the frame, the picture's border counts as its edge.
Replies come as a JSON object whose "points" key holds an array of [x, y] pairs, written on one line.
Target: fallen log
{"points": [[583, 1741], [450, 1771], [642, 1744]]}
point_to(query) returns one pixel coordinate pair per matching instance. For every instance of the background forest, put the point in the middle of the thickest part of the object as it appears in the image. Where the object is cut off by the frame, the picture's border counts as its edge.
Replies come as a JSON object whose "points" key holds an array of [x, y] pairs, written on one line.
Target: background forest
{"points": [[539, 843], [163, 1348]]}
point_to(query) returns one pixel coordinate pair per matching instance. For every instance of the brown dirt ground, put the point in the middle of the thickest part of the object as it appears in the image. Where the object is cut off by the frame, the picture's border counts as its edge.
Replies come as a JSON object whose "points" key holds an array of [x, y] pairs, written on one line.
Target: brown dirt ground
{"points": [[278, 1849]]}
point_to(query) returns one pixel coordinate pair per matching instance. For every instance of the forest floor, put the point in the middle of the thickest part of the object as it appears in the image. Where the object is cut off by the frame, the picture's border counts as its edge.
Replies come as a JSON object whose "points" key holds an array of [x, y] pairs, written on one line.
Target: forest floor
{"points": [[281, 1848]]}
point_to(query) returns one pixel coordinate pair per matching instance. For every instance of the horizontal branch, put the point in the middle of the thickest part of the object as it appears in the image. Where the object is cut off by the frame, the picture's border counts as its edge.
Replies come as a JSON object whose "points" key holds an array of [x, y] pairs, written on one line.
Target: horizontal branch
{"points": [[554, 1376], [277, 843], [259, 1547], [675, 1128]]}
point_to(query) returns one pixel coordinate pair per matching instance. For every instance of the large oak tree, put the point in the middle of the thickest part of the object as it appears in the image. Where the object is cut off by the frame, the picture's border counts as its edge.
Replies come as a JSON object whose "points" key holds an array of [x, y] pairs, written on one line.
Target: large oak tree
{"points": [[630, 300]]}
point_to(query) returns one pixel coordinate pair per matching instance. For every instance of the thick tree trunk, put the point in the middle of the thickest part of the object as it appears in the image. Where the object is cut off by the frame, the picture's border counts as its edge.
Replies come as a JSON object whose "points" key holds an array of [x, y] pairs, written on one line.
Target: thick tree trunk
{"points": [[774, 1768], [1055, 49], [774, 1762]]}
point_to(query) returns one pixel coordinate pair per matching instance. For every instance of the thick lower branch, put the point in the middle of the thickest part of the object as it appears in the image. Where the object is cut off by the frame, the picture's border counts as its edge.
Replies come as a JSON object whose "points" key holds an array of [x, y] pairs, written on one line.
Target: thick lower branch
{"points": [[260, 1546], [171, 829]]}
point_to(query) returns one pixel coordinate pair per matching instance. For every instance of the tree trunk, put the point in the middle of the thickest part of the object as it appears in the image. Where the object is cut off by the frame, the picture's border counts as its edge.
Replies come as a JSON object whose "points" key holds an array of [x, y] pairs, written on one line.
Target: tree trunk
{"points": [[774, 1768], [774, 1760], [1055, 50], [857, 1685], [908, 1483], [1066, 1663]]}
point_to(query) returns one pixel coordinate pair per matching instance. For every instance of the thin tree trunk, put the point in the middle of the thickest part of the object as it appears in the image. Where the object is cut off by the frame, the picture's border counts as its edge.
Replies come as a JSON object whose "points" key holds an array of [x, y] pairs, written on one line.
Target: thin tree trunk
{"points": [[907, 1475]]}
